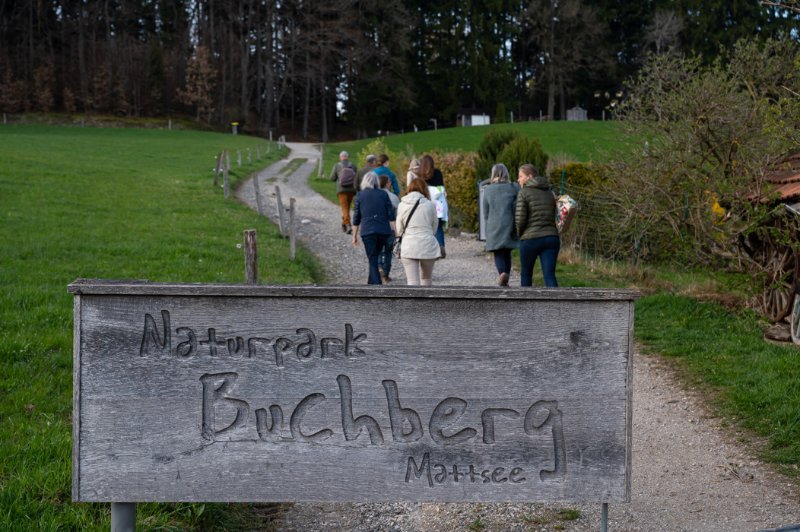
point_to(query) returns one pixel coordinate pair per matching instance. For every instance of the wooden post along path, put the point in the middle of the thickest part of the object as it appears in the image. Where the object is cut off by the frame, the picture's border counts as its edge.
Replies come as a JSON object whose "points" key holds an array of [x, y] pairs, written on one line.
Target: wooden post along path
{"points": [[250, 257], [201, 393], [225, 184], [282, 224], [257, 189], [292, 245], [239, 157], [217, 168]]}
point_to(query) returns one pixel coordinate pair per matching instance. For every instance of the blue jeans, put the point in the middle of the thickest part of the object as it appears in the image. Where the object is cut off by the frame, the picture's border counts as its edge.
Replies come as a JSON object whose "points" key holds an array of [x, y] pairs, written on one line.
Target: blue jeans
{"points": [[372, 245], [502, 260], [440, 233], [385, 256], [547, 248]]}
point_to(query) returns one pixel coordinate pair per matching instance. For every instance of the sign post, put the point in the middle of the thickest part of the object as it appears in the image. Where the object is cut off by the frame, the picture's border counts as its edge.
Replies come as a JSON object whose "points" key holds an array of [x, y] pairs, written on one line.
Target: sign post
{"points": [[260, 393]]}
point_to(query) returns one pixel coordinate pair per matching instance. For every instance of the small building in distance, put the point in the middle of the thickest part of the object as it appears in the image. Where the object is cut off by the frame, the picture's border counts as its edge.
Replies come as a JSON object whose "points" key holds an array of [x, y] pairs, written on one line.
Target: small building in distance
{"points": [[474, 117], [576, 113]]}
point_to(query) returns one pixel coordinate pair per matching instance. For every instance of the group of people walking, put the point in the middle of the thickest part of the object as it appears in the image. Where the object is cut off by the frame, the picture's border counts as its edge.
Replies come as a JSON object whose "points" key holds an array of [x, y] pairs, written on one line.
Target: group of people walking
{"points": [[517, 215], [521, 215]]}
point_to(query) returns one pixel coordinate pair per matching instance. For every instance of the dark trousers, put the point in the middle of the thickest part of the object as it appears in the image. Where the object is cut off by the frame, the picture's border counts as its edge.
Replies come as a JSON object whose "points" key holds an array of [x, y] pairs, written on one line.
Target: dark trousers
{"points": [[547, 248], [385, 256], [502, 260], [440, 233], [372, 245]]}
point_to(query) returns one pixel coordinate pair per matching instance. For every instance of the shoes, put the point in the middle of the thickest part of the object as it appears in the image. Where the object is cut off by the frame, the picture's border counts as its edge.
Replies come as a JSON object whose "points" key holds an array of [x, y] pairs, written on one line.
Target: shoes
{"points": [[349, 229], [385, 279], [444, 253], [344, 228], [503, 280]]}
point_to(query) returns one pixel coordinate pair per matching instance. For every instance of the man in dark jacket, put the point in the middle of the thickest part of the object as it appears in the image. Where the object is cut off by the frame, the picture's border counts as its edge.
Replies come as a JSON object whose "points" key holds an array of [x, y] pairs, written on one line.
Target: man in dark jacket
{"points": [[344, 173], [372, 163]]}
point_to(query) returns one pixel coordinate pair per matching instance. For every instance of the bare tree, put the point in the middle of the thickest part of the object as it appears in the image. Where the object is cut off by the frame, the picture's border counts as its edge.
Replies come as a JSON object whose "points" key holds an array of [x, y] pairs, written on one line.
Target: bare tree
{"points": [[664, 31]]}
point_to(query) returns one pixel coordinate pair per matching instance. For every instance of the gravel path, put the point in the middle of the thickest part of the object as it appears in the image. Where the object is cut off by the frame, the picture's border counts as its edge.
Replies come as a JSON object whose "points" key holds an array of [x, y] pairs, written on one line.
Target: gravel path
{"points": [[689, 473]]}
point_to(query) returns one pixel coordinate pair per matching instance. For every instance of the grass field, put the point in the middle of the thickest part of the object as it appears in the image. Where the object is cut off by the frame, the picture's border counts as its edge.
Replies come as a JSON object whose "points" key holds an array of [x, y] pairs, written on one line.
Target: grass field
{"points": [[115, 204], [578, 141]]}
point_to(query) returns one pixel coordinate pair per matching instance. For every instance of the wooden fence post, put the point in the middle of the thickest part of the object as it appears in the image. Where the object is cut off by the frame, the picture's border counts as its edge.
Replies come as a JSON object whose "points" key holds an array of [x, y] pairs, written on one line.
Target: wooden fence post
{"points": [[250, 257], [225, 187], [281, 211], [269, 145], [291, 229], [249, 157], [259, 203], [228, 160], [239, 157], [321, 153], [258, 152], [217, 168]]}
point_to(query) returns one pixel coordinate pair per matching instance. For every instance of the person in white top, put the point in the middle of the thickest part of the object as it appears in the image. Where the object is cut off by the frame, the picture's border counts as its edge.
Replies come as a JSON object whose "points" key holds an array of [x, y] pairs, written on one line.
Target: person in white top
{"points": [[419, 248]]}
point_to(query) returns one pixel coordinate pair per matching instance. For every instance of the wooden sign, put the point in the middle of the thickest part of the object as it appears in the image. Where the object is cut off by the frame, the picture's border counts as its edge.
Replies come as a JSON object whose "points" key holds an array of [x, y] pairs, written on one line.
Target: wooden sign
{"points": [[254, 393]]}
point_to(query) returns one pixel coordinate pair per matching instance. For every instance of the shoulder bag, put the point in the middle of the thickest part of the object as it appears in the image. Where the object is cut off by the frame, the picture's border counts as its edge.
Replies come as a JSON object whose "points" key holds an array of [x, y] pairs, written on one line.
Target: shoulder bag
{"points": [[399, 239]]}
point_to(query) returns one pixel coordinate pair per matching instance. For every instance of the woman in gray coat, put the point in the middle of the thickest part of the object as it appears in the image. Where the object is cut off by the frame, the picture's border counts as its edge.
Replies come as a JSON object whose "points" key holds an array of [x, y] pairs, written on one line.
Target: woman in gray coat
{"points": [[499, 198]]}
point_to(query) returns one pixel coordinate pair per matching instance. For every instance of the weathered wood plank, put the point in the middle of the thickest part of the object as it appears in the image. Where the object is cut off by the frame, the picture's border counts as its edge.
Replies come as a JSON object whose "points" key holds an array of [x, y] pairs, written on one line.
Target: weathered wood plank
{"points": [[406, 397], [109, 287], [76, 396]]}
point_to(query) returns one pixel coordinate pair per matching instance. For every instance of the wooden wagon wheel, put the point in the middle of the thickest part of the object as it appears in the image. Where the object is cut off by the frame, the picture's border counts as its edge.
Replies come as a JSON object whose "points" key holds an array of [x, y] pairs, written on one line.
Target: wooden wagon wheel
{"points": [[779, 264]]}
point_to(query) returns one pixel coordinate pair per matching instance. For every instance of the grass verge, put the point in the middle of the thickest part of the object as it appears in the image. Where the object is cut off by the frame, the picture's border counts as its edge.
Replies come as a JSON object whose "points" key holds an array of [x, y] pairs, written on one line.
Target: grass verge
{"points": [[115, 204]]}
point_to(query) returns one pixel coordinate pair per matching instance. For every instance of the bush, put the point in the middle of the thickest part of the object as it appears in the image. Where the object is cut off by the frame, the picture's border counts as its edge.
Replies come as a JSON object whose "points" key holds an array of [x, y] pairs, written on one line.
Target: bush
{"points": [[376, 147], [458, 169], [580, 176], [587, 184], [490, 147], [510, 147], [522, 150]]}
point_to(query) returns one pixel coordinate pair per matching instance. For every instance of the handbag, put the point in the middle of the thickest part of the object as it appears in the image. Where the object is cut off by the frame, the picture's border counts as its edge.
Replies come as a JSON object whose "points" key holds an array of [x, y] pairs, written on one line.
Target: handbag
{"points": [[566, 208], [399, 240]]}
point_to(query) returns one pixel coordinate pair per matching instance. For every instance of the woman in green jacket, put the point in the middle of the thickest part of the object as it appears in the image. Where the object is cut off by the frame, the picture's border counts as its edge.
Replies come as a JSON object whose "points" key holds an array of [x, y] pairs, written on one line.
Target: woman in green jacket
{"points": [[535, 220]]}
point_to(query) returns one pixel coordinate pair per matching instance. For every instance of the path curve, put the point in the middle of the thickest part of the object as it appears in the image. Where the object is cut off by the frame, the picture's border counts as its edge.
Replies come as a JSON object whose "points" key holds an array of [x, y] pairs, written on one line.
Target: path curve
{"points": [[689, 473]]}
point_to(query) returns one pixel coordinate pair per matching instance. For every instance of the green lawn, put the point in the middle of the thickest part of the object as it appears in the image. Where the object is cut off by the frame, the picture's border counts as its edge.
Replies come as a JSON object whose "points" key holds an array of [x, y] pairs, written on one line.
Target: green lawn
{"points": [[103, 203], [578, 141]]}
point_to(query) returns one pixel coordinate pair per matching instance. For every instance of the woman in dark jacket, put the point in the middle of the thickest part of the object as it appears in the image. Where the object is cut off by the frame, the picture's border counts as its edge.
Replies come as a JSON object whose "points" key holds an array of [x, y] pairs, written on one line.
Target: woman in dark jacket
{"points": [[498, 206], [374, 216], [535, 219]]}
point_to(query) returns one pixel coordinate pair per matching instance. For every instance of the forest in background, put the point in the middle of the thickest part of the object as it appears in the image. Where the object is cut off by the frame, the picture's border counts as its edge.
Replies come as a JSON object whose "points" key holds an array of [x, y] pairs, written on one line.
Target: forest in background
{"points": [[327, 69]]}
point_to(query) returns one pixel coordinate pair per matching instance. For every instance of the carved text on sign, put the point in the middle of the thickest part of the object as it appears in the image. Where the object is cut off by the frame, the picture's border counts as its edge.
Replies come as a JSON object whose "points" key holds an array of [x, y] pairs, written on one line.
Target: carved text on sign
{"points": [[191, 343], [444, 427]]}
